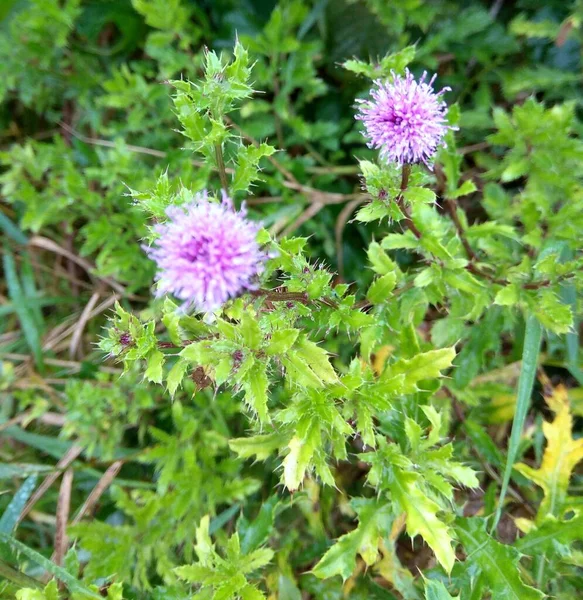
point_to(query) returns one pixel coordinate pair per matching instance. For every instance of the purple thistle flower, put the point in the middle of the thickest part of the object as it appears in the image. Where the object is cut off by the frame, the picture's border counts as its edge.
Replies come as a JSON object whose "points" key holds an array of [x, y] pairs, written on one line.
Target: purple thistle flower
{"points": [[206, 253], [405, 119]]}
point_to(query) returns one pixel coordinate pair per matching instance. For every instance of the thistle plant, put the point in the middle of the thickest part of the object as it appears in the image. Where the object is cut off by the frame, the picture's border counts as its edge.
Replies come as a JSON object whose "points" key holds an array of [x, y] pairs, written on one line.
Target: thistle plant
{"points": [[307, 428], [386, 407]]}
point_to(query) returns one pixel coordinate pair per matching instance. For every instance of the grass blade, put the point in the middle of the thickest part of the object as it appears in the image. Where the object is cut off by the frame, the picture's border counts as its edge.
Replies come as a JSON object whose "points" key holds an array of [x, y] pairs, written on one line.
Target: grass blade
{"points": [[27, 321], [11, 515], [12, 230], [530, 351], [31, 293], [71, 582], [18, 578]]}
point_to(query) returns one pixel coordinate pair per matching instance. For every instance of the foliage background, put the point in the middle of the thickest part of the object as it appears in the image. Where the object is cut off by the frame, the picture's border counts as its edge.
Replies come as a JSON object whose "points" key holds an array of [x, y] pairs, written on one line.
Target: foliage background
{"points": [[110, 479]]}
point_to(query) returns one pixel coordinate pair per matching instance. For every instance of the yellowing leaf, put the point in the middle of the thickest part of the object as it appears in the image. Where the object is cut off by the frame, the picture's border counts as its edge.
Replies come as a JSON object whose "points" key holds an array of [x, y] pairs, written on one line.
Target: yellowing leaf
{"points": [[422, 517], [301, 451], [561, 455], [380, 359]]}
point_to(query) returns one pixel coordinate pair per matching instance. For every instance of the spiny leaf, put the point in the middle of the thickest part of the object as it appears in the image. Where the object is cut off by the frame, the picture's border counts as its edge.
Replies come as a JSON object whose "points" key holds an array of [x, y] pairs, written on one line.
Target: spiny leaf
{"points": [[281, 341], [422, 516], [299, 457], [374, 522], [427, 365], [317, 358], [255, 384], [498, 562], [260, 446], [542, 539]]}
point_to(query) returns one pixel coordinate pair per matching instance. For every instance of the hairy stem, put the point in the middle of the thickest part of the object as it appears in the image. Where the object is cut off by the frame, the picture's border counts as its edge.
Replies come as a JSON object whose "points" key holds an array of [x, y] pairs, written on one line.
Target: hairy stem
{"points": [[405, 173]]}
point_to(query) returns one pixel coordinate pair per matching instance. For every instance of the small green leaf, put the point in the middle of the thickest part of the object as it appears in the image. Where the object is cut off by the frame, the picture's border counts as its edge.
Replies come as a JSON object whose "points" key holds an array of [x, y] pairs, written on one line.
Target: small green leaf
{"points": [[374, 522], [176, 376], [281, 341], [260, 446], [507, 296], [154, 371], [255, 384], [427, 365], [250, 331], [381, 288], [380, 260], [419, 195]]}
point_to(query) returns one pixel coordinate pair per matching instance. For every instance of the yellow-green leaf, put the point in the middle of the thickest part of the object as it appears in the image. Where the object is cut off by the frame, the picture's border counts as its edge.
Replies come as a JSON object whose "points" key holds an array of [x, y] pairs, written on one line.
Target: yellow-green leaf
{"points": [[561, 455]]}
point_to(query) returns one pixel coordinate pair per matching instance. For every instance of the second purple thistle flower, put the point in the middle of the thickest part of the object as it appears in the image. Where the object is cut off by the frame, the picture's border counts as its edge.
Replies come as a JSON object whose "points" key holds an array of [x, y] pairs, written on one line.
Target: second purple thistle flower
{"points": [[405, 119], [206, 253]]}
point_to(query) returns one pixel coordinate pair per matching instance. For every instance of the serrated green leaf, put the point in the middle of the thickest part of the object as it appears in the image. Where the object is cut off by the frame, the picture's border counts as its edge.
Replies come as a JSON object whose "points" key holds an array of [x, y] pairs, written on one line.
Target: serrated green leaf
{"points": [[421, 517], [507, 296], [250, 331], [281, 341], [498, 562], [154, 371], [419, 195], [427, 365], [299, 457], [381, 263], [381, 288], [260, 446], [176, 376], [374, 522], [551, 531], [317, 358], [255, 383]]}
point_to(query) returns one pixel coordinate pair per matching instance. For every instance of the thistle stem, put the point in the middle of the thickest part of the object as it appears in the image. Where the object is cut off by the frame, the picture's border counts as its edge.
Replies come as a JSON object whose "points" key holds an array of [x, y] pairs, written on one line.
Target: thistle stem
{"points": [[221, 167], [405, 173]]}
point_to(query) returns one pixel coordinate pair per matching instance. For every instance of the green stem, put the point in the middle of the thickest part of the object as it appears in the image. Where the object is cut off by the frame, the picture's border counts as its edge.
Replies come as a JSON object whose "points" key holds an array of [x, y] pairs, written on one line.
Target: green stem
{"points": [[530, 352], [221, 167], [400, 200]]}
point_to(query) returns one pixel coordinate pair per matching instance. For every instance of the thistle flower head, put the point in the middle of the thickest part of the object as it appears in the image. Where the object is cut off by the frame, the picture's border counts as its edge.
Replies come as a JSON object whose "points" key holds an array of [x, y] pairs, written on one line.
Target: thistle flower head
{"points": [[206, 253], [405, 119]]}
